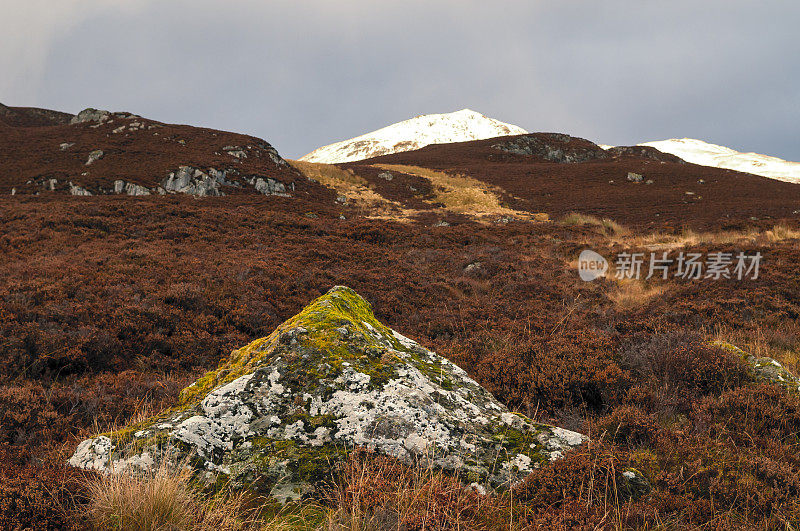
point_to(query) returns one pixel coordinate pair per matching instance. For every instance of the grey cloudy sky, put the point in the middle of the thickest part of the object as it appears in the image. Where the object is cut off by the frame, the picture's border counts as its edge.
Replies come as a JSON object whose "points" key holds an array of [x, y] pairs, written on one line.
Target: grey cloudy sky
{"points": [[305, 73]]}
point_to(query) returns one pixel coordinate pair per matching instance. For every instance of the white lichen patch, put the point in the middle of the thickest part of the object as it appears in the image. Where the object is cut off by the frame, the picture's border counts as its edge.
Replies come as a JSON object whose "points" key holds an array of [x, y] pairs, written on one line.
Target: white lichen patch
{"points": [[331, 379]]}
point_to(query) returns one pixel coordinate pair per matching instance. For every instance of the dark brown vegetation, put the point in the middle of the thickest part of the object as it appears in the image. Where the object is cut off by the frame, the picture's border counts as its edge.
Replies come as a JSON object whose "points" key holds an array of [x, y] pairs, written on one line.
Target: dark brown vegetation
{"points": [[110, 305], [598, 184]]}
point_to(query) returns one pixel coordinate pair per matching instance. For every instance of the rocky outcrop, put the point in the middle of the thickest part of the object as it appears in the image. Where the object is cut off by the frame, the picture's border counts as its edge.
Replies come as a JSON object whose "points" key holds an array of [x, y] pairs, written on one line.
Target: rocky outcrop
{"points": [[122, 187], [90, 115], [644, 152], [269, 186], [553, 147], [78, 190], [284, 409], [194, 181]]}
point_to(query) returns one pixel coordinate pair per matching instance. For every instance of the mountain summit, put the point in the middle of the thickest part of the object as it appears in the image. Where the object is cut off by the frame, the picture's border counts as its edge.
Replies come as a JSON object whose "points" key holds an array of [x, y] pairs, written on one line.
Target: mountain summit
{"points": [[416, 133], [706, 154]]}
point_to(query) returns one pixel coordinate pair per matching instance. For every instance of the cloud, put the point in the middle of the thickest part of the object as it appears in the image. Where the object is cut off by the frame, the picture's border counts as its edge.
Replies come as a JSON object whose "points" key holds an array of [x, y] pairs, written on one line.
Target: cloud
{"points": [[303, 74]]}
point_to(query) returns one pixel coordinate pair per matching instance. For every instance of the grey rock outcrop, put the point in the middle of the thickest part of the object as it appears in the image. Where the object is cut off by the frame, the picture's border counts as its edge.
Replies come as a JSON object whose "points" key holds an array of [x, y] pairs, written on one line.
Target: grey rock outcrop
{"points": [[90, 115], [194, 181], [78, 190], [122, 187], [553, 147], [284, 409], [268, 186]]}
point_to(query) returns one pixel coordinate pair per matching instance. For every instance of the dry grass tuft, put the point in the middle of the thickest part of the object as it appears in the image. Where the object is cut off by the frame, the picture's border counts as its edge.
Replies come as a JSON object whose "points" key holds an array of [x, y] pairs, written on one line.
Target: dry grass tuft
{"points": [[688, 237], [166, 499], [633, 294], [608, 227]]}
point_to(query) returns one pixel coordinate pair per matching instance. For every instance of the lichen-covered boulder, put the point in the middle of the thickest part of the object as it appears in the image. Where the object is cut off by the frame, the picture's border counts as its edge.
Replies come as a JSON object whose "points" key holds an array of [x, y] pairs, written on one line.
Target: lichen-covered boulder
{"points": [[766, 368], [283, 410]]}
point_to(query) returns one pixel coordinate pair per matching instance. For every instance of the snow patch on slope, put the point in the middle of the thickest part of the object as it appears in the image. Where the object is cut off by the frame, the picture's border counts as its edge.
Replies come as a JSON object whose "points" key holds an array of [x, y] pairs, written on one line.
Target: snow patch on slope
{"points": [[460, 126], [705, 154]]}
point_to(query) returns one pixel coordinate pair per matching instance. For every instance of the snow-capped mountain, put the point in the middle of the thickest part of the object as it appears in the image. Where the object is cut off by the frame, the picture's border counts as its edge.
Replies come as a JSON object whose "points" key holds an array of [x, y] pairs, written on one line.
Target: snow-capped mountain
{"points": [[415, 133], [705, 154]]}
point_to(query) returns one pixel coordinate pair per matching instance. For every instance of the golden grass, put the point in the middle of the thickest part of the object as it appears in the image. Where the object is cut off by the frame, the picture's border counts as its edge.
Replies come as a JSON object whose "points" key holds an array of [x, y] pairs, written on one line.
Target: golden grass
{"points": [[780, 341], [629, 294], [687, 238], [354, 187], [463, 194], [607, 226], [166, 499]]}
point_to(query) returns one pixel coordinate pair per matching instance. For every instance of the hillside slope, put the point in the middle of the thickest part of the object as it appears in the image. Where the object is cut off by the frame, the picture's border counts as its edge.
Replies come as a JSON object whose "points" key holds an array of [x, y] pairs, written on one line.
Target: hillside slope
{"points": [[99, 152]]}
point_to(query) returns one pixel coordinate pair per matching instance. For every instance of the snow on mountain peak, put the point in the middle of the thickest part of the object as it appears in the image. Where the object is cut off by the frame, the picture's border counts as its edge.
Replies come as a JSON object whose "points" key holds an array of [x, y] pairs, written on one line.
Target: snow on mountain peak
{"points": [[415, 133], [706, 154]]}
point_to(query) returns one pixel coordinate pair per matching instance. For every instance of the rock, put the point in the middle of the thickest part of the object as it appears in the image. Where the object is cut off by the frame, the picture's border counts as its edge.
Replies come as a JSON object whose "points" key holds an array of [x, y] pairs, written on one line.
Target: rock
{"points": [[632, 484], [90, 115], [94, 156], [13, 191], [766, 368], [473, 267], [66, 145], [282, 411], [644, 152], [235, 151], [634, 177], [269, 186], [386, 176], [554, 147], [193, 181], [50, 184], [77, 190], [649, 181], [130, 188]]}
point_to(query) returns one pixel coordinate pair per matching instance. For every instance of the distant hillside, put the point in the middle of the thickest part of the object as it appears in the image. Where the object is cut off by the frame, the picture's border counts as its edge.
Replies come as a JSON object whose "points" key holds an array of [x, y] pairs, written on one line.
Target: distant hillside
{"points": [[100, 152]]}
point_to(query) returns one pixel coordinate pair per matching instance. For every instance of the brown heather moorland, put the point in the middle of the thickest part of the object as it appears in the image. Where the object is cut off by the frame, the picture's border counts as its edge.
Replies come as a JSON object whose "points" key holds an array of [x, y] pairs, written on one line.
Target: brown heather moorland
{"points": [[110, 305]]}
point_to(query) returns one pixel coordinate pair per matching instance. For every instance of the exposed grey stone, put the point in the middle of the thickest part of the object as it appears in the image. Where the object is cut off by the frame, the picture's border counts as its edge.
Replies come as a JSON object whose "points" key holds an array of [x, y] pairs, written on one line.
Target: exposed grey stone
{"points": [[764, 368], [284, 409], [66, 145], [130, 188], [554, 147], [194, 181], [90, 115], [94, 156], [634, 177], [269, 186], [387, 176], [78, 190]]}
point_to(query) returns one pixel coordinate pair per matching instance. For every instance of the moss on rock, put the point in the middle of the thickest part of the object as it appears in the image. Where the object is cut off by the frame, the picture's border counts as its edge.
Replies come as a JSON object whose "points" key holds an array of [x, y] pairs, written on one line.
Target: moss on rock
{"points": [[281, 411]]}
